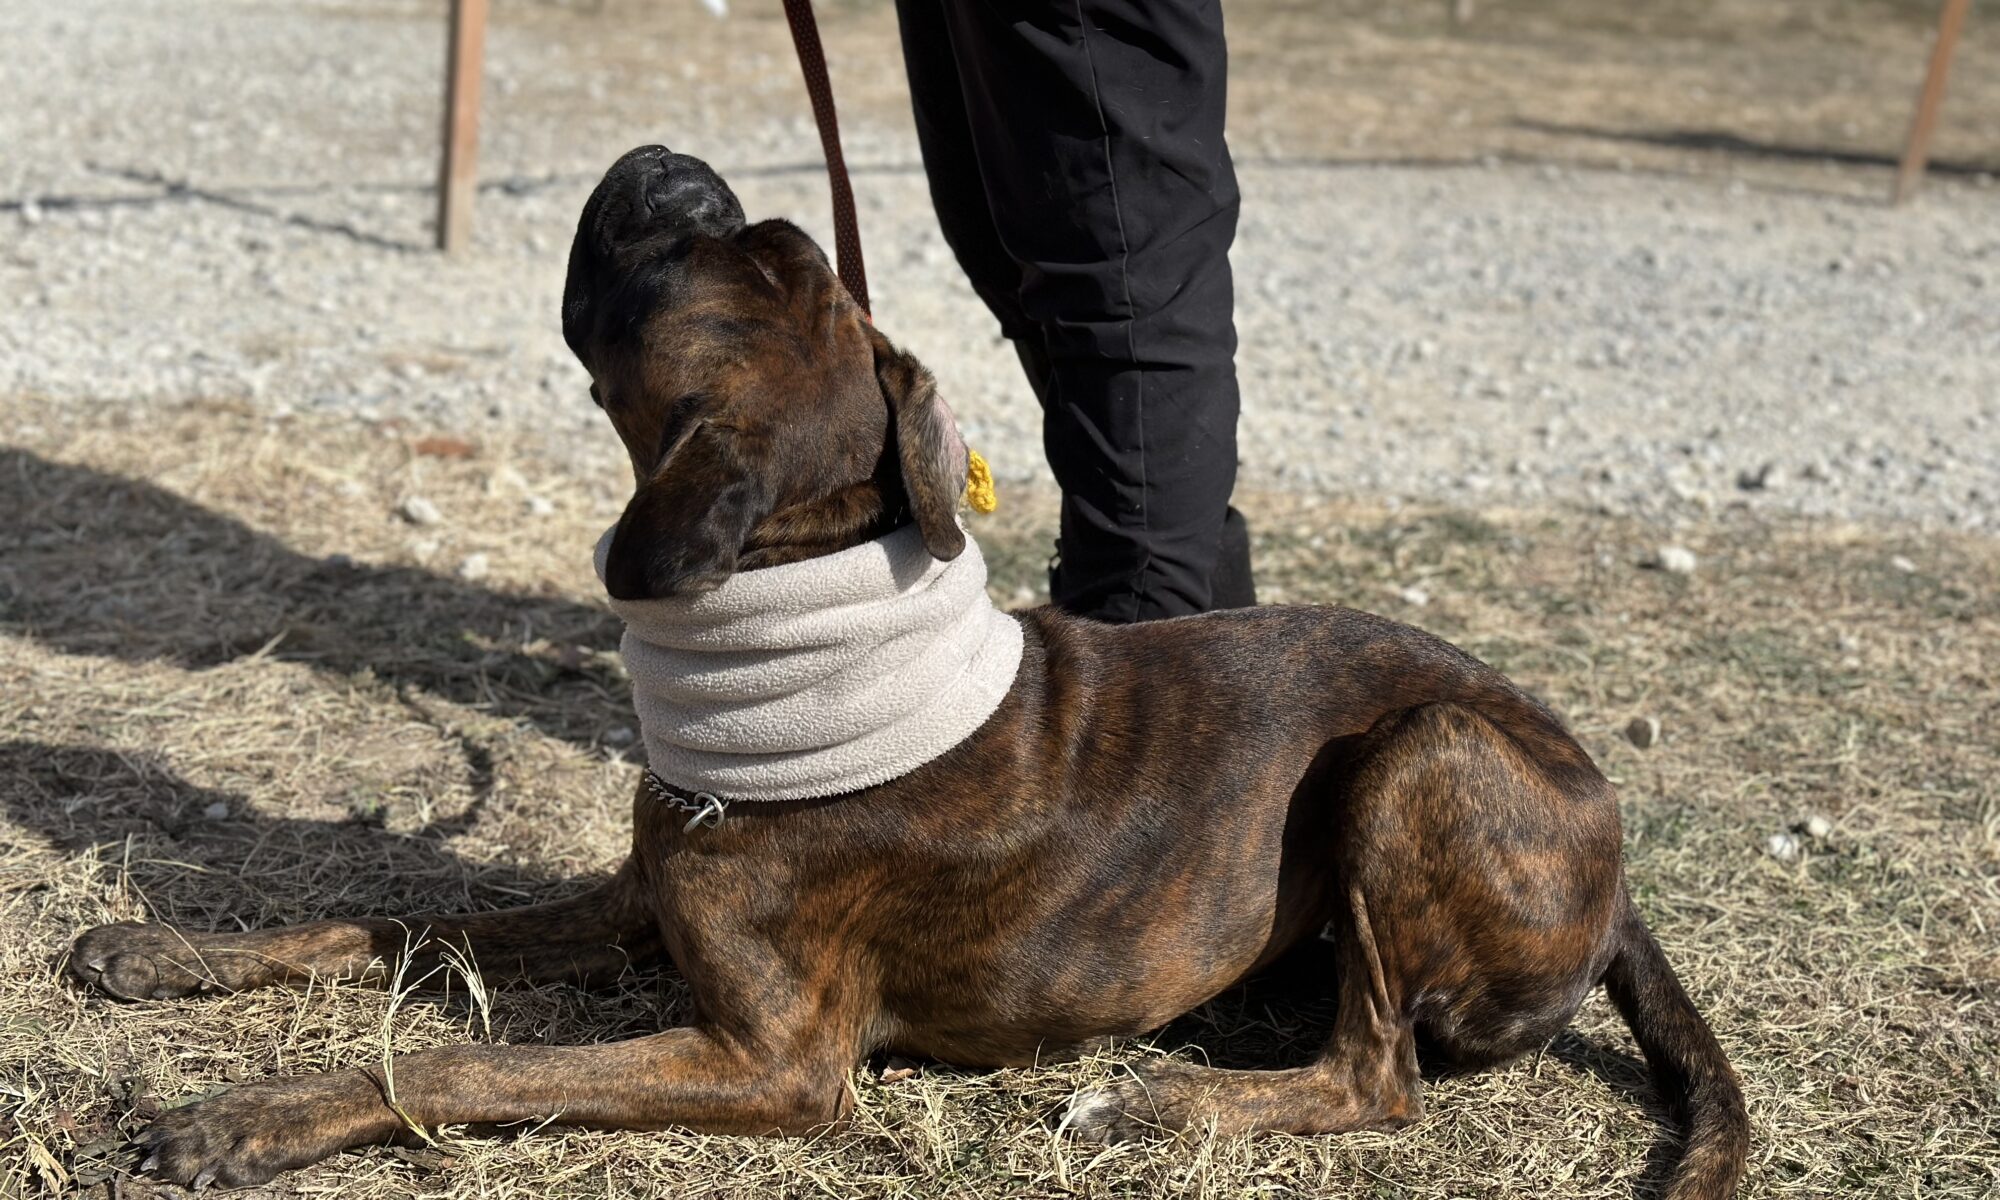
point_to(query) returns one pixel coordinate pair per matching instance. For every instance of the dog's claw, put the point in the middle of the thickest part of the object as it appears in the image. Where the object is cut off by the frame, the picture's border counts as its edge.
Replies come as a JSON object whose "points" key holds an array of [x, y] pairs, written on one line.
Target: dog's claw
{"points": [[1089, 1115], [151, 1164], [202, 1180]]}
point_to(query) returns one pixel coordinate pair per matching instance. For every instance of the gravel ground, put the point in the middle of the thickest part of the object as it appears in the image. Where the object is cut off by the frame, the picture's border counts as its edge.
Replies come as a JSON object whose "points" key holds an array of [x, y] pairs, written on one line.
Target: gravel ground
{"points": [[225, 199]]}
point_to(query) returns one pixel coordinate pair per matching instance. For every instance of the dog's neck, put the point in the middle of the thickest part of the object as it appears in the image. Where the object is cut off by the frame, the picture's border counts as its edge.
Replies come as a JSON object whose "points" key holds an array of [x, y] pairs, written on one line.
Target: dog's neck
{"points": [[819, 677]]}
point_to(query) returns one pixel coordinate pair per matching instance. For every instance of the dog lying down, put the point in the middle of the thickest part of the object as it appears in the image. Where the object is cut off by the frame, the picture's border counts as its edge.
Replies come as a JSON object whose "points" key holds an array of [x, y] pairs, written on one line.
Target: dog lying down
{"points": [[882, 815]]}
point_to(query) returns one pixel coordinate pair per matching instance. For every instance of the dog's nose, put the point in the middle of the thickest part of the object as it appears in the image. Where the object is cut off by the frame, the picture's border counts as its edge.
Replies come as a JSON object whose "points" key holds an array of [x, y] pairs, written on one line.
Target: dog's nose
{"points": [[640, 154], [683, 193]]}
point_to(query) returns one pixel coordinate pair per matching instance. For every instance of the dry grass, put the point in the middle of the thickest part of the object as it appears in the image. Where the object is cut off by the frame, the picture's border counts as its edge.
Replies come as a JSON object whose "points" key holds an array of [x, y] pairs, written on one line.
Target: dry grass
{"points": [[202, 719]]}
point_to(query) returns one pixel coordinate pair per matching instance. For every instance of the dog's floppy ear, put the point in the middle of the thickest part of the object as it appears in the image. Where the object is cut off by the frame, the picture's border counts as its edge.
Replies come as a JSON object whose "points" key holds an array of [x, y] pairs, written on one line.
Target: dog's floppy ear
{"points": [[928, 448], [686, 525]]}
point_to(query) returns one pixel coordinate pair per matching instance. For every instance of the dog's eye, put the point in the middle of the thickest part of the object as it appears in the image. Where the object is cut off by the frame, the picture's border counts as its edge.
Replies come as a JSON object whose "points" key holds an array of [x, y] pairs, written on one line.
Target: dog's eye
{"points": [[683, 410], [680, 415]]}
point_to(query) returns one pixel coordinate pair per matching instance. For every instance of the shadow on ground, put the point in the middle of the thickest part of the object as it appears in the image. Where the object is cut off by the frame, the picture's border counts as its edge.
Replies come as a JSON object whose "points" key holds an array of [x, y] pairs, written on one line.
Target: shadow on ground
{"points": [[1719, 141], [93, 563], [209, 859]]}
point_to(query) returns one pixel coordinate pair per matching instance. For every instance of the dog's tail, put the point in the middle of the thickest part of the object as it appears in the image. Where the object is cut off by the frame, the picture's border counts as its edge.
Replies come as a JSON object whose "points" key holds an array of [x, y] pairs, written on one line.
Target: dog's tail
{"points": [[1687, 1062]]}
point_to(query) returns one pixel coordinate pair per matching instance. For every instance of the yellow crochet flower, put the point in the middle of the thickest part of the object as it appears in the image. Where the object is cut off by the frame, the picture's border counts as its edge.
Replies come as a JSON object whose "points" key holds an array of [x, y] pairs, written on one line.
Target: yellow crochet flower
{"points": [[979, 494]]}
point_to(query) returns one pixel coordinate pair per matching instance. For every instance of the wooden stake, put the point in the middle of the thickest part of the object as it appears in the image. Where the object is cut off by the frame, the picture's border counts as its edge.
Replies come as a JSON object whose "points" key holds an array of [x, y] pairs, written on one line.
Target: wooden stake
{"points": [[1951, 22], [458, 173]]}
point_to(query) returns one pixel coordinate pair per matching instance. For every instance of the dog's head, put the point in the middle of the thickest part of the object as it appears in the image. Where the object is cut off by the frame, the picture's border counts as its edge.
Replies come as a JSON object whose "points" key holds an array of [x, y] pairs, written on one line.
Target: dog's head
{"points": [[766, 419]]}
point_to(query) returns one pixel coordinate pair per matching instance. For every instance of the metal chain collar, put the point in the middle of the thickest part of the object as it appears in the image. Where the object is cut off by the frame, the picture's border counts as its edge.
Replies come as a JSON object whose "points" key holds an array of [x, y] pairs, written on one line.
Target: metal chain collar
{"points": [[707, 807]]}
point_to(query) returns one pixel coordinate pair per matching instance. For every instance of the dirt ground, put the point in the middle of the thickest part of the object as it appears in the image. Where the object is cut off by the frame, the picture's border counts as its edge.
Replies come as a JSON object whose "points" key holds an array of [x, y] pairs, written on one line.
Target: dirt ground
{"points": [[1781, 92], [237, 688]]}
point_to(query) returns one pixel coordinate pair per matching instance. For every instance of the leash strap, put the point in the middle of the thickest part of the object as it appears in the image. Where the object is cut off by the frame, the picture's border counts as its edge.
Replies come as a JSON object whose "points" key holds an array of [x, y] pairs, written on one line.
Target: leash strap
{"points": [[846, 229]]}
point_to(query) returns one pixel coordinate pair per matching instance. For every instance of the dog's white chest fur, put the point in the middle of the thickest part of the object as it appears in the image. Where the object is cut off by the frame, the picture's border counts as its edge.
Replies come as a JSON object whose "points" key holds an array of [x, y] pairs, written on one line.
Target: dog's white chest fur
{"points": [[818, 677]]}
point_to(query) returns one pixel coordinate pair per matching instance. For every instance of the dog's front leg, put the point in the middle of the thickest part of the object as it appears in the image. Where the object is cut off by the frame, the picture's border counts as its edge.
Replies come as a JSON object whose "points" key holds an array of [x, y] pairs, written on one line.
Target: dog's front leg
{"points": [[587, 938], [689, 1077]]}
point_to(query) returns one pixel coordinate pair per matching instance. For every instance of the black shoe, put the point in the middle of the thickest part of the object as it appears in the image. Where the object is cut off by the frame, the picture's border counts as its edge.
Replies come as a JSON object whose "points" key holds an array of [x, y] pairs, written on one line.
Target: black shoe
{"points": [[1232, 586]]}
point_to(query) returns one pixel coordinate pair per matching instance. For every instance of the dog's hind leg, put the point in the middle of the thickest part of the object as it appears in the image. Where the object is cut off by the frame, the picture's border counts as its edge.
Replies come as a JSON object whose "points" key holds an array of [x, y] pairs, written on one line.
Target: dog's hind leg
{"points": [[1366, 1079], [587, 938], [1477, 880]]}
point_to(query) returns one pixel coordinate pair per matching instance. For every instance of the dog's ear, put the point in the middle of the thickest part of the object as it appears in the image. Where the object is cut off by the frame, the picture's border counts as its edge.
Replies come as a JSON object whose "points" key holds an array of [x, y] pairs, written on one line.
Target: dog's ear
{"points": [[685, 526], [928, 448]]}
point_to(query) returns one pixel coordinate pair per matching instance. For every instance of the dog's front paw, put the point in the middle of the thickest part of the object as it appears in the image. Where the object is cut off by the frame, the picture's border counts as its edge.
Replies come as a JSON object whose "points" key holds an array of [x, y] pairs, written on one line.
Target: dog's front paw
{"points": [[248, 1134], [141, 962]]}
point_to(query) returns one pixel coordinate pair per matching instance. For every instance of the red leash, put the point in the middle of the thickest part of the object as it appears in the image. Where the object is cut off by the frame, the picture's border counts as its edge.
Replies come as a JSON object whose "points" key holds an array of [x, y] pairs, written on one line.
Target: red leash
{"points": [[846, 229]]}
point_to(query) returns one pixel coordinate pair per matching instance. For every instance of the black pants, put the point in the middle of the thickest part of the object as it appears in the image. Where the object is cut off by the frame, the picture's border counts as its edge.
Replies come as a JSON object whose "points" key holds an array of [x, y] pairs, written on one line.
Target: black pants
{"points": [[1077, 164]]}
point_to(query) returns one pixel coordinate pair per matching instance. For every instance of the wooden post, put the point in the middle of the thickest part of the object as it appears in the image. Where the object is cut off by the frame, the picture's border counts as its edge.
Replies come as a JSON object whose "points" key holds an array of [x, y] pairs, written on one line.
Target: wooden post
{"points": [[1951, 21], [458, 172]]}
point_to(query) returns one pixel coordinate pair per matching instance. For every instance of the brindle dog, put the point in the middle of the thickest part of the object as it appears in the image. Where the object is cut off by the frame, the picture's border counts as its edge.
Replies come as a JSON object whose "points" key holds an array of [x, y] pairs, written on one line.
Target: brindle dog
{"points": [[1154, 813]]}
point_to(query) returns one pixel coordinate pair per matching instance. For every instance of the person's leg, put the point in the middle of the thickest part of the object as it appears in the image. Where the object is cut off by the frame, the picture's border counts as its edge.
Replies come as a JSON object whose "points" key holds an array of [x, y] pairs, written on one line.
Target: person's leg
{"points": [[944, 134], [1095, 136], [958, 193]]}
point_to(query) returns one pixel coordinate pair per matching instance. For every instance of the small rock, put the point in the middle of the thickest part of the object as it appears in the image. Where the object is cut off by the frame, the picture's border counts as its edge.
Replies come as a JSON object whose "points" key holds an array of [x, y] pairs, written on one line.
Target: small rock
{"points": [[540, 506], [444, 446], [1766, 478], [1689, 491], [1674, 560], [1817, 826], [1782, 846], [1902, 564], [619, 735], [1643, 732], [474, 567], [419, 511], [505, 478], [1415, 597], [217, 811]]}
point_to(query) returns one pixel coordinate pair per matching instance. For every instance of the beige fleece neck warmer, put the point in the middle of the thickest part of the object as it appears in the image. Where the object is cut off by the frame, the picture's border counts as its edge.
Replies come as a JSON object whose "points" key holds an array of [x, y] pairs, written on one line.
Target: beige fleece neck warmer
{"points": [[818, 677]]}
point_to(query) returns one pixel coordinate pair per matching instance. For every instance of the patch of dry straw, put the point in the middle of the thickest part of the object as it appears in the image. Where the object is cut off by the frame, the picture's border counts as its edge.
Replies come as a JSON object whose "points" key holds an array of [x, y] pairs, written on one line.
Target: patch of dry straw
{"points": [[207, 717]]}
